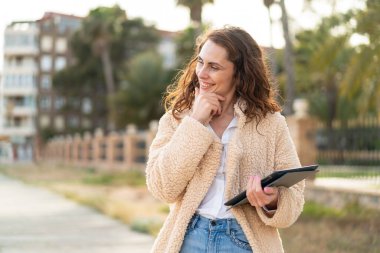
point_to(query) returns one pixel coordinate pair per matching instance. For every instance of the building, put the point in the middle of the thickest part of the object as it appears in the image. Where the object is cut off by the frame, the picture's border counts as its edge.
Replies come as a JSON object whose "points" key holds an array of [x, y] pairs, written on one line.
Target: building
{"points": [[33, 52], [19, 87], [54, 55], [30, 109]]}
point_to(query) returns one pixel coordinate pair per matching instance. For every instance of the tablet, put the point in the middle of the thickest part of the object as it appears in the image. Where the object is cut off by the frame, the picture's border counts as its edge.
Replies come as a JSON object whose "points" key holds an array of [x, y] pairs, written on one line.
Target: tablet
{"points": [[285, 178]]}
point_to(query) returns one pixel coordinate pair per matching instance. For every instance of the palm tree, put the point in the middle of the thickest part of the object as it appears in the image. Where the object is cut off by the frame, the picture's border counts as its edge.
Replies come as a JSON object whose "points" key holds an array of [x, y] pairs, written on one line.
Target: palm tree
{"points": [[103, 25], [361, 79], [272, 59], [195, 7], [268, 4], [288, 62], [288, 57]]}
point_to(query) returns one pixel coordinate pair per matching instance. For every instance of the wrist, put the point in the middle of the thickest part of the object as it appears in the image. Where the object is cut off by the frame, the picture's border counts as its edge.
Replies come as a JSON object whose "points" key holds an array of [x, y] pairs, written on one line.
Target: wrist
{"points": [[200, 120]]}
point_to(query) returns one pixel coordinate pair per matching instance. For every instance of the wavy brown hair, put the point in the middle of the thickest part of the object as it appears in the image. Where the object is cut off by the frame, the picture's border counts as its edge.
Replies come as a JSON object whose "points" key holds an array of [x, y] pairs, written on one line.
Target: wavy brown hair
{"points": [[251, 75]]}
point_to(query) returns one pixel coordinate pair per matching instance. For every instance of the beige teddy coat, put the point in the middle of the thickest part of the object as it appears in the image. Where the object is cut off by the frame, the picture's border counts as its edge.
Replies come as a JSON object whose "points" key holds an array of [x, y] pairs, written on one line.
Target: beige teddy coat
{"points": [[184, 158]]}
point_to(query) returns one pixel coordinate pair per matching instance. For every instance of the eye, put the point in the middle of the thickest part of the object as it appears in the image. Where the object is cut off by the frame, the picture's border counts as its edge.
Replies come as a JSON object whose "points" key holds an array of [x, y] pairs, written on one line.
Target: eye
{"points": [[214, 67], [199, 60]]}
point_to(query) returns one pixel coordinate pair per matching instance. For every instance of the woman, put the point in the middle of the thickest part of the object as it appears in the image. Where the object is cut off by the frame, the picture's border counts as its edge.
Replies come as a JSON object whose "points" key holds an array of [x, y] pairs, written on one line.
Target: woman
{"points": [[221, 134]]}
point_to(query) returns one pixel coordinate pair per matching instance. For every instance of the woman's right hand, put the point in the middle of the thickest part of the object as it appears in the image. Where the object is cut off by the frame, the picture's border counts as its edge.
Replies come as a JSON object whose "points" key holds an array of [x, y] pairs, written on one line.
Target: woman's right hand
{"points": [[206, 106]]}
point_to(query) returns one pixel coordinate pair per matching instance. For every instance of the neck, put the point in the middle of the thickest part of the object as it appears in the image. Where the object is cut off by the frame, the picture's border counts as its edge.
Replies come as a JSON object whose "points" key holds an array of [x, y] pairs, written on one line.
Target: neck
{"points": [[228, 106]]}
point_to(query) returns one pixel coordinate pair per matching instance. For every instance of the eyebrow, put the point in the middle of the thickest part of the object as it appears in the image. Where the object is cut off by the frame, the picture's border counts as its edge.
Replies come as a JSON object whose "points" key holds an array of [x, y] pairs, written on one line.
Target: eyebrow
{"points": [[211, 62]]}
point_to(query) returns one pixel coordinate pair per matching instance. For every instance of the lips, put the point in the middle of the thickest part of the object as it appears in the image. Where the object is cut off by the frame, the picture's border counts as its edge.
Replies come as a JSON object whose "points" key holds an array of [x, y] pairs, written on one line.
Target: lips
{"points": [[205, 85]]}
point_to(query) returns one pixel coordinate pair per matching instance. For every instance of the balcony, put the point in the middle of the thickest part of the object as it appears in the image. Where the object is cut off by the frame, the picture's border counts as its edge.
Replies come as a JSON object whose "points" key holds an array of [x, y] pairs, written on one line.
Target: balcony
{"points": [[20, 50], [19, 91], [20, 38], [25, 131], [30, 68], [19, 111]]}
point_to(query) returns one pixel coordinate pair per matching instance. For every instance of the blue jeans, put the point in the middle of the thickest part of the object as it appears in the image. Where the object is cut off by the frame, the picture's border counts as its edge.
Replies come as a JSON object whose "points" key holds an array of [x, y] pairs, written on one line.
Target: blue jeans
{"points": [[214, 236]]}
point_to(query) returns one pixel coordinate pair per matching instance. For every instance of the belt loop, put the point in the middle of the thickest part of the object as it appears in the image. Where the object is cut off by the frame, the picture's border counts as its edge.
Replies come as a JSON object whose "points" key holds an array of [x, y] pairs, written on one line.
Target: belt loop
{"points": [[195, 219], [229, 226]]}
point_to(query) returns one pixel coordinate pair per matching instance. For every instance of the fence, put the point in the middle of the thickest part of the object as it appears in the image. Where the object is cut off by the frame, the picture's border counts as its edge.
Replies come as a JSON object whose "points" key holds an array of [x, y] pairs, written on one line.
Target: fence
{"points": [[354, 142], [123, 150], [129, 148]]}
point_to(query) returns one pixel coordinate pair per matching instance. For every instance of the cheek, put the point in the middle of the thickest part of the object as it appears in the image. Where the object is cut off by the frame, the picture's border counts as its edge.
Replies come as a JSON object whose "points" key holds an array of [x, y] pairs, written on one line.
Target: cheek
{"points": [[224, 80], [197, 69]]}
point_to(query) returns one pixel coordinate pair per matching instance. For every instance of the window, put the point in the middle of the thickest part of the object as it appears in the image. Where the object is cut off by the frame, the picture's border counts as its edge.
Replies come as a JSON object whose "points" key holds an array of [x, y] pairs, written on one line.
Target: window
{"points": [[59, 102], [45, 82], [46, 63], [60, 63], [59, 123], [45, 102], [86, 123], [30, 102], [61, 45], [86, 105], [18, 61], [73, 121], [46, 43], [17, 122], [46, 25], [44, 121]]}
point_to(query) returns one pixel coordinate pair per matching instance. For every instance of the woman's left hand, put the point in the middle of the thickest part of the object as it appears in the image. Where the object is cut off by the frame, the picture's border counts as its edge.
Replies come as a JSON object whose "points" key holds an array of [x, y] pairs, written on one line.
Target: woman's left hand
{"points": [[259, 197]]}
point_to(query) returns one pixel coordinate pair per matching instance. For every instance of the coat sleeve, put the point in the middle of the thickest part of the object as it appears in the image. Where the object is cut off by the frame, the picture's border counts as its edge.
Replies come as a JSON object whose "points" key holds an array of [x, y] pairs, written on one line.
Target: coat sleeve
{"points": [[174, 156], [291, 200]]}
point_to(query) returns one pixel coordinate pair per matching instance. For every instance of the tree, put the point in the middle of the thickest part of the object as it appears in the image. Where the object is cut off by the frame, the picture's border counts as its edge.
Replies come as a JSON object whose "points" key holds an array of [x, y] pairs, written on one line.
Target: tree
{"points": [[288, 55], [101, 30], [268, 4], [361, 80], [102, 26], [195, 7], [288, 62], [101, 47], [322, 60], [139, 99], [185, 44]]}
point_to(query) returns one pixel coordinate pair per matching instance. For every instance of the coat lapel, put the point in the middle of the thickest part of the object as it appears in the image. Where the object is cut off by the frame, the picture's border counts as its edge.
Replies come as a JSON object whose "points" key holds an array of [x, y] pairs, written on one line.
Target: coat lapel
{"points": [[234, 154]]}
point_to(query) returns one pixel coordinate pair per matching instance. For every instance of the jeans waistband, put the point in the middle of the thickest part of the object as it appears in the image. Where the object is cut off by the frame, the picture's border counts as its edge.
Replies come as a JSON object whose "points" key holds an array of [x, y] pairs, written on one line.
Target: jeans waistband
{"points": [[199, 221]]}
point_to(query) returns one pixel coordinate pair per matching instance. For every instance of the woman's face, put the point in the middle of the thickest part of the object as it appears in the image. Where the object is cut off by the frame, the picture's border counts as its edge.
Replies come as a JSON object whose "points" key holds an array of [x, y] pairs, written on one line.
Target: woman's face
{"points": [[214, 70]]}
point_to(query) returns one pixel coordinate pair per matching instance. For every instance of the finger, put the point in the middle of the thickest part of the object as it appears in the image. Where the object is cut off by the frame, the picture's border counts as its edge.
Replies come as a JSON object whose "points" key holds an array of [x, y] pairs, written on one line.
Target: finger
{"points": [[214, 109], [250, 182], [218, 111], [250, 192], [269, 190], [257, 184], [249, 189], [221, 98], [272, 194], [216, 102], [259, 194]]}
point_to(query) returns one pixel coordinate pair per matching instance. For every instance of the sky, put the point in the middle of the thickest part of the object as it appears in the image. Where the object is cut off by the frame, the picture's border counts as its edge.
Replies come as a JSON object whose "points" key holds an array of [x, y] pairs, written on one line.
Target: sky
{"points": [[250, 15]]}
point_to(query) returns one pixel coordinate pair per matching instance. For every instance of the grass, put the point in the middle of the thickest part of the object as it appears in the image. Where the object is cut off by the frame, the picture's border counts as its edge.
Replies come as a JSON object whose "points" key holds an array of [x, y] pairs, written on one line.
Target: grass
{"points": [[349, 172], [131, 177], [123, 195], [320, 229]]}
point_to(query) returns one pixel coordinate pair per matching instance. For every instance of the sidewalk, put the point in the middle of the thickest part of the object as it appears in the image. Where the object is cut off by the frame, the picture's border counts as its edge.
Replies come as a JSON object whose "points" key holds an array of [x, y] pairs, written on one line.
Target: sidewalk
{"points": [[34, 220]]}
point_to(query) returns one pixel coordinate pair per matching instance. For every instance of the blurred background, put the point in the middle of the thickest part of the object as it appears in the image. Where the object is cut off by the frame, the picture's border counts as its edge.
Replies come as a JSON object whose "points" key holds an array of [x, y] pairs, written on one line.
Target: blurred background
{"points": [[81, 85]]}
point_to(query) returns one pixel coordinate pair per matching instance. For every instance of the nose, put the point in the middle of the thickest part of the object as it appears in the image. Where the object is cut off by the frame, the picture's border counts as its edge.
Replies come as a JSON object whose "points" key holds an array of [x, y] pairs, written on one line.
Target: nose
{"points": [[202, 72]]}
